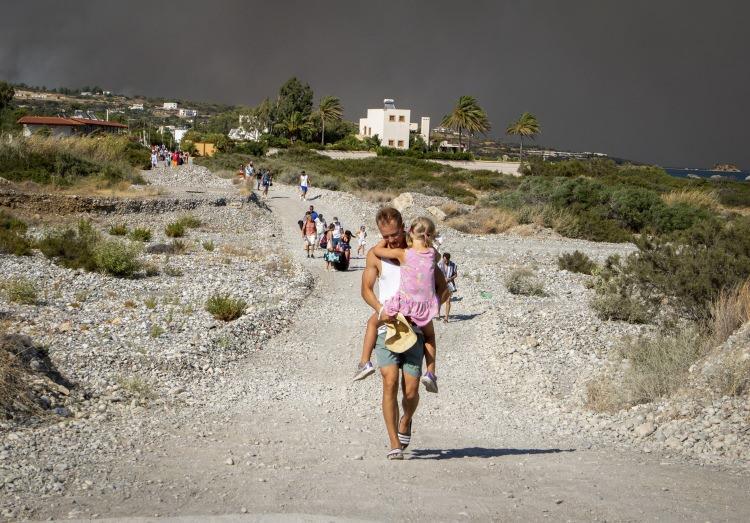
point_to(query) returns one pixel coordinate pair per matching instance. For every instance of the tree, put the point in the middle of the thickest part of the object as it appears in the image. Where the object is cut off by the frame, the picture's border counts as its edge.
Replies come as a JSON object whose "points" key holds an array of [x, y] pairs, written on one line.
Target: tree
{"points": [[467, 116], [295, 126], [6, 95], [527, 125], [293, 97], [329, 109]]}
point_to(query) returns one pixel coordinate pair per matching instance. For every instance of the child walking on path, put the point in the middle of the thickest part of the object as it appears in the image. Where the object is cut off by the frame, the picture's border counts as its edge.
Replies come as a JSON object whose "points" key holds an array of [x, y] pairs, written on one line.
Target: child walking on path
{"points": [[415, 299]]}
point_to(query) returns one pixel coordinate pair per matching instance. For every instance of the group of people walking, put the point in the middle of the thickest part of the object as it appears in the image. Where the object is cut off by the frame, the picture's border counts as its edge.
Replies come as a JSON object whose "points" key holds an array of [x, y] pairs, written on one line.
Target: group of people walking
{"points": [[261, 177], [161, 155], [332, 238]]}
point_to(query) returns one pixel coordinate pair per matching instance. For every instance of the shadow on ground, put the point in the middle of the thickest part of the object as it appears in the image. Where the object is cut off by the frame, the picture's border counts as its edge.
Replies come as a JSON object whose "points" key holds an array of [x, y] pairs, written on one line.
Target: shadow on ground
{"points": [[479, 452]]}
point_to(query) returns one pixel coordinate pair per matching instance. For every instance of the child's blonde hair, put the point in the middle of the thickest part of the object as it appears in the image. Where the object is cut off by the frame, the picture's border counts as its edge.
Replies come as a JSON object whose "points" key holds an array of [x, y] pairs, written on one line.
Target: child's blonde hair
{"points": [[423, 228]]}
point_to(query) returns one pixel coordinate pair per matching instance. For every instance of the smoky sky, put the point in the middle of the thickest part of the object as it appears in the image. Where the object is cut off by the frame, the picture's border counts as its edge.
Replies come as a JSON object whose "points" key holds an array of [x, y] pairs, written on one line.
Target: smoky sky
{"points": [[657, 81]]}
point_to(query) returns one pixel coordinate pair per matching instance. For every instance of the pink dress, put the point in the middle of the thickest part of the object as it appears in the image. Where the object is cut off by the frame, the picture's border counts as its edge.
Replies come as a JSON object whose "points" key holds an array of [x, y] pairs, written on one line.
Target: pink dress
{"points": [[416, 298]]}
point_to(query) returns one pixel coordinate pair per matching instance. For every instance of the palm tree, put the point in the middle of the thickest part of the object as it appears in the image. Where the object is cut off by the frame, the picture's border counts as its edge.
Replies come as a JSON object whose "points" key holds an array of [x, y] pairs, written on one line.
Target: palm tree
{"points": [[295, 126], [468, 116], [526, 125], [329, 109]]}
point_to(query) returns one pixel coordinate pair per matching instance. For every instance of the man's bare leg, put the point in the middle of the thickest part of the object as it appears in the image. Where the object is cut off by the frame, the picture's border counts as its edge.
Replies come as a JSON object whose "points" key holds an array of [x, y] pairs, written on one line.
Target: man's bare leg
{"points": [[390, 403], [409, 401]]}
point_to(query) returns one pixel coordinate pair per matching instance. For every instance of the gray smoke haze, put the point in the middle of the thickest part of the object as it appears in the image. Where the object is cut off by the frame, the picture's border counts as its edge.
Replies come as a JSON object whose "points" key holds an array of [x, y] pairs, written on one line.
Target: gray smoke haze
{"points": [[659, 81]]}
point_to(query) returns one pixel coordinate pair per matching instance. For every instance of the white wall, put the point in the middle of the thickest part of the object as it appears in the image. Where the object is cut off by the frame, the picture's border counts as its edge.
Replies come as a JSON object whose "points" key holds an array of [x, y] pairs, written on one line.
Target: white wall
{"points": [[55, 130], [390, 132]]}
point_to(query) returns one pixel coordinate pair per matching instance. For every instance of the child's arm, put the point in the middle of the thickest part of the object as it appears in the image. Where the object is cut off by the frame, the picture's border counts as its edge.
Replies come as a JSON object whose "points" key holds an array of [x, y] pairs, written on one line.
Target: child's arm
{"points": [[392, 254]]}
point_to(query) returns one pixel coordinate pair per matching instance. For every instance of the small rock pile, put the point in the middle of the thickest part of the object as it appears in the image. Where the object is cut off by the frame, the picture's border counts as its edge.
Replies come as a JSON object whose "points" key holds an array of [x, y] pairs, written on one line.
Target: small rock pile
{"points": [[185, 176]]}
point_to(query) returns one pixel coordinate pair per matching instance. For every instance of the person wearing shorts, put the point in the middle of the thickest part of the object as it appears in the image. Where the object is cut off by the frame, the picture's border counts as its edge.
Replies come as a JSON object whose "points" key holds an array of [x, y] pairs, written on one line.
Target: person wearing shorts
{"points": [[308, 233], [304, 185], [410, 362]]}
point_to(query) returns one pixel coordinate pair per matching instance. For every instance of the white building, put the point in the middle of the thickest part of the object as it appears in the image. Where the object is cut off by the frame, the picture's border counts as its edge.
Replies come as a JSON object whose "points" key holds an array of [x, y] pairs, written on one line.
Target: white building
{"points": [[391, 125], [187, 113], [169, 105], [136, 107]]}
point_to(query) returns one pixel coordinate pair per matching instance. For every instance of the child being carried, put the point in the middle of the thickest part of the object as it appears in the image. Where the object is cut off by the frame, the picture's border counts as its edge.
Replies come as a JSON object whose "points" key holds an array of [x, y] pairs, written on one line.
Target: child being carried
{"points": [[415, 299]]}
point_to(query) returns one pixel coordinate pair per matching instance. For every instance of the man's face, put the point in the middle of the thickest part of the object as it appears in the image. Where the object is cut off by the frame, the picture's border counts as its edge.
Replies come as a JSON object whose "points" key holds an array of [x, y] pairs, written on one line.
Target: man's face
{"points": [[392, 234]]}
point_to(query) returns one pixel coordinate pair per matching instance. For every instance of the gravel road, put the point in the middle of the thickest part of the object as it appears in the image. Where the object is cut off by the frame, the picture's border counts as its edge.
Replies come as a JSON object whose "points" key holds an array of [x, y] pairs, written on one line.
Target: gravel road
{"points": [[287, 435]]}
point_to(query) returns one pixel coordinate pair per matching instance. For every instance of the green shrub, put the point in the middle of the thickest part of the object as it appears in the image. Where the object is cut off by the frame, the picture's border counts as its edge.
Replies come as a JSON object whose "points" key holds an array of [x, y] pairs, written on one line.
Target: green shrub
{"points": [[155, 331], [118, 230], [72, 248], [523, 281], [151, 269], [140, 234], [576, 262], [616, 306], [634, 208], [190, 221], [208, 245], [117, 258], [150, 302], [175, 229], [225, 308], [178, 247], [172, 271], [21, 290], [679, 217], [13, 238]]}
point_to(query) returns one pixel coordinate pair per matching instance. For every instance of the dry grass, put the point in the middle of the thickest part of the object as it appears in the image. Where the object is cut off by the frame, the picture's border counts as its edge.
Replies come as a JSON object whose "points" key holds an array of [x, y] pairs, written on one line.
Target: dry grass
{"points": [[484, 221], [604, 395], [377, 196], [524, 282], [708, 200], [729, 312], [733, 377]]}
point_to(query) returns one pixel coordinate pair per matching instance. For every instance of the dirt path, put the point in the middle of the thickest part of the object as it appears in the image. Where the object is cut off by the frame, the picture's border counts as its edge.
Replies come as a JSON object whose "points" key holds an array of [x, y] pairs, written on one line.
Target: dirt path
{"points": [[292, 436]]}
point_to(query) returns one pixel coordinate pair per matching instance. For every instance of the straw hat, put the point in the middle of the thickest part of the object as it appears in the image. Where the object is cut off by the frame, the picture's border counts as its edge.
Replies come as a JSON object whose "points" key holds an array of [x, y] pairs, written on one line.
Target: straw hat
{"points": [[400, 336]]}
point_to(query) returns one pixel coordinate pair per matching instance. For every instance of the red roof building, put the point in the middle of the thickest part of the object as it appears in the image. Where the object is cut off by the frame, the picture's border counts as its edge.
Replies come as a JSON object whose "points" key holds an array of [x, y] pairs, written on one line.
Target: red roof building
{"points": [[68, 126]]}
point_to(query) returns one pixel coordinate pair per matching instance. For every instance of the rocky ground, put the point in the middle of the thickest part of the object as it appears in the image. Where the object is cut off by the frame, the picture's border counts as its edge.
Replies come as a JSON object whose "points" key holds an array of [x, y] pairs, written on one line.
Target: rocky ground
{"points": [[259, 416]]}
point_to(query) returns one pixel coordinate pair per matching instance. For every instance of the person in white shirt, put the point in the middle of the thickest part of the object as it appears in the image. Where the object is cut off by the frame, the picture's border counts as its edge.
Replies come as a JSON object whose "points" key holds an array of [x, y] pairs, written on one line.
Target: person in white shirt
{"points": [[304, 185]]}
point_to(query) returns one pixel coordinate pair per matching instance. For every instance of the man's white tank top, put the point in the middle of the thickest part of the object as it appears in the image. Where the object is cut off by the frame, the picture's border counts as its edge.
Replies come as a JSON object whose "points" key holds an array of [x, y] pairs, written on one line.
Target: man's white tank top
{"points": [[390, 278]]}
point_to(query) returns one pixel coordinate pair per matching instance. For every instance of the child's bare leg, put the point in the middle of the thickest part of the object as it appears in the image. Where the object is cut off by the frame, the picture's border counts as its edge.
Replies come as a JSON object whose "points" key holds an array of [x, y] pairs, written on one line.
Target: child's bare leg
{"points": [[429, 347], [371, 335]]}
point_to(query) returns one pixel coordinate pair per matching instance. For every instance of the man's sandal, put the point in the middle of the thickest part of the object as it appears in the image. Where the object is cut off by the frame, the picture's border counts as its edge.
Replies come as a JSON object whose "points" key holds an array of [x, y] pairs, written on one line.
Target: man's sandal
{"points": [[404, 439], [395, 454]]}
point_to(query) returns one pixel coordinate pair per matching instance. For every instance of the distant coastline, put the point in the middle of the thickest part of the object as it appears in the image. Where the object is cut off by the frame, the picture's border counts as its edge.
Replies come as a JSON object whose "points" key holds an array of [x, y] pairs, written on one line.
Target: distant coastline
{"points": [[710, 174]]}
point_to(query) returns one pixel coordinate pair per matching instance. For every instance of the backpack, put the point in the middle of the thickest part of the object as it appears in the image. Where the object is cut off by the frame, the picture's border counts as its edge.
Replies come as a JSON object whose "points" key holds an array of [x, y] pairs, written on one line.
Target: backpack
{"points": [[323, 242]]}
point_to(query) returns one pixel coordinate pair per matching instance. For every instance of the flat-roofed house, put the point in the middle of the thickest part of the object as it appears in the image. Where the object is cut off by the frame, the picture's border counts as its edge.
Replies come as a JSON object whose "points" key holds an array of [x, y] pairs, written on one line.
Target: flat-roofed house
{"points": [[391, 125], [59, 126]]}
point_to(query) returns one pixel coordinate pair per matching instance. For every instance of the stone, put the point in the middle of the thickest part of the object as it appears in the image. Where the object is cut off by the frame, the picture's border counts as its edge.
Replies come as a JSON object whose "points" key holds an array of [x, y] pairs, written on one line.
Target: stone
{"points": [[645, 429], [403, 201], [437, 212]]}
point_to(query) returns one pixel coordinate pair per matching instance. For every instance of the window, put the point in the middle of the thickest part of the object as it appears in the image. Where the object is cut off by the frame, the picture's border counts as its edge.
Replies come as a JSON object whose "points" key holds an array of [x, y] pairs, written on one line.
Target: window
{"points": [[392, 118], [401, 118], [390, 143], [400, 143]]}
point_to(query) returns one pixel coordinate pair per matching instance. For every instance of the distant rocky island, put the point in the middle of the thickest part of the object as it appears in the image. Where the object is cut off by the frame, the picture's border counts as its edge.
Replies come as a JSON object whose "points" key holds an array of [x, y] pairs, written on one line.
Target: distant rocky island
{"points": [[726, 168]]}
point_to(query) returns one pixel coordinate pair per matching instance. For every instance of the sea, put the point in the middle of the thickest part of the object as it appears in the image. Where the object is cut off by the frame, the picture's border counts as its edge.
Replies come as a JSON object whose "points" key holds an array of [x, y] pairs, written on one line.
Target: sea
{"points": [[706, 173]]}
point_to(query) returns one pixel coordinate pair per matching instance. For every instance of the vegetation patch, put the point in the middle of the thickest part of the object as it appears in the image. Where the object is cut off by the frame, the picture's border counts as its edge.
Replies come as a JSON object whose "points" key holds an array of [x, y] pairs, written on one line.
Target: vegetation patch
{"points": [[117, 258], [20, 290], [118, 230], [524, 282], [140, 234], [13, 239], [576, 261], [175, 229], [225, 308]]}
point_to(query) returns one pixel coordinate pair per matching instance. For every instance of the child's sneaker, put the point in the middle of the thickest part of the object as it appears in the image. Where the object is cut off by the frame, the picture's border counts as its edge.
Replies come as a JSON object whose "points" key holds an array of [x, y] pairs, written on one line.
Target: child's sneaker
{"points": [[429, 380], [363, 371]]}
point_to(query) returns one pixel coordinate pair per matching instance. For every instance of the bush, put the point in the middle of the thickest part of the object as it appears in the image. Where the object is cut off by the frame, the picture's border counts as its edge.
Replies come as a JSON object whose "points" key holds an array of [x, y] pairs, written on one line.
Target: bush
{"points": [[175, 229], [190, 221], [576, 262], [225, 308], [118, 230], [484, 221], [524, 282], [634, 208], [616, 306], [71, 248], [730, 311], [21, 290], [252, 148], [13, 238], [140, 234], [209, 245], [659, 365], [117, 258]]}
